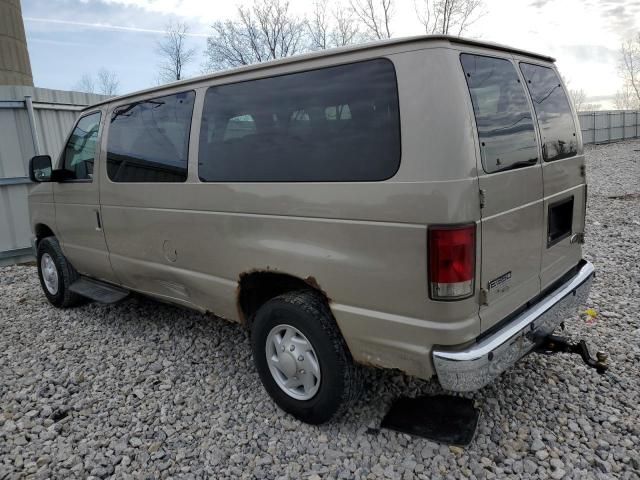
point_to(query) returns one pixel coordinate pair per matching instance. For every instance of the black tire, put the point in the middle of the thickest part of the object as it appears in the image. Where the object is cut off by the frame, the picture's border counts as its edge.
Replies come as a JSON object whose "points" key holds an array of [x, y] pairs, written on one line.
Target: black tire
{"points": [[340, 383], [65, 272]]}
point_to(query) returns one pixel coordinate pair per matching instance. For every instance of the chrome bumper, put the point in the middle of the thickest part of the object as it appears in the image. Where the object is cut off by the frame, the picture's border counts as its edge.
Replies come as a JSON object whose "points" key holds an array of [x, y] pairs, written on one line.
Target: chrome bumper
{"points": [[478, 364]]}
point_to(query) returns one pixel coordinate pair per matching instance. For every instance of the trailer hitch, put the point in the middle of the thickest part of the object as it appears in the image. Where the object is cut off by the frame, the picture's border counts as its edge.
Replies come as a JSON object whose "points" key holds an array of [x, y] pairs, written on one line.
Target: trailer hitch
{"points": [[554, 344]]}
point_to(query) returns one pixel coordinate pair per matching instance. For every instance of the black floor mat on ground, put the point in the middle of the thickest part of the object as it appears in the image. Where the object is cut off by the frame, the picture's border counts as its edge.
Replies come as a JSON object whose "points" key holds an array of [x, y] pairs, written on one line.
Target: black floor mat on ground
{"points": [[441, 418]]}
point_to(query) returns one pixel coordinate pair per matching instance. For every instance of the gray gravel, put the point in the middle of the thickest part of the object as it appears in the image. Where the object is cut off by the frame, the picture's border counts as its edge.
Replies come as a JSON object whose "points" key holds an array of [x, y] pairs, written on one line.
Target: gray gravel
{"points": [[142, 389]]}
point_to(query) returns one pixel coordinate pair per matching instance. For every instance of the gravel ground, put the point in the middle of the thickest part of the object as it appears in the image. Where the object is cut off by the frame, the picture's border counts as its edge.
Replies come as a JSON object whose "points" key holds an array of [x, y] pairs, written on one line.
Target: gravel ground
{"points": [[142, 389]]}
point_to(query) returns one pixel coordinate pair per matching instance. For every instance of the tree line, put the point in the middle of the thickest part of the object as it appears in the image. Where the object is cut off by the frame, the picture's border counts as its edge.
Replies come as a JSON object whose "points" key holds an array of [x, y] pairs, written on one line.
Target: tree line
{"points": [[269, 29]]}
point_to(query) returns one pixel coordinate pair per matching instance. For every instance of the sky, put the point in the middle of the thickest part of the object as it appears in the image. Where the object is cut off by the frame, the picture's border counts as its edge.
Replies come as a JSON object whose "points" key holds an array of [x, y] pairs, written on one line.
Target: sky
{"points": [[70, 38]]}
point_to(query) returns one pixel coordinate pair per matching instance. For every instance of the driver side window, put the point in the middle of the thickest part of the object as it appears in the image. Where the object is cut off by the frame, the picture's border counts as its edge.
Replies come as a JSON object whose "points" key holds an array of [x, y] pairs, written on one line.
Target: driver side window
{"points": [[80, 150]]}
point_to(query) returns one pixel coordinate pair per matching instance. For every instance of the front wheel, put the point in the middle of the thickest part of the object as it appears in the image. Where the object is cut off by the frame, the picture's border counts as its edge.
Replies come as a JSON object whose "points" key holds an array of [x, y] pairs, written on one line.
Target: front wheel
{"points": [[56, 274], [301, 357]]}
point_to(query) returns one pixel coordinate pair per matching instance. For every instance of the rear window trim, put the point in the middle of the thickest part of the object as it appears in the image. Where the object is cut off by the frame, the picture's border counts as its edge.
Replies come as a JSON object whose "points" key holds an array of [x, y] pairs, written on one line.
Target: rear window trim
{"points": [[386, 59]]}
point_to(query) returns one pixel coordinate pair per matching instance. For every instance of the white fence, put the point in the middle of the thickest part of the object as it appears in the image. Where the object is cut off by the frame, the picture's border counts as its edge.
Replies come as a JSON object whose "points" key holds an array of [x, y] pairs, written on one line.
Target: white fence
{"points": [[609, 126], [32, 120]]}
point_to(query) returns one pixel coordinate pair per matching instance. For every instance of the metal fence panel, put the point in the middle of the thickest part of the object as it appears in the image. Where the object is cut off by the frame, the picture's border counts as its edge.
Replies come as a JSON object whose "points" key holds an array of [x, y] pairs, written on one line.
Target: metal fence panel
{"points": [[54, 114], [609, 126], [14, 219]]}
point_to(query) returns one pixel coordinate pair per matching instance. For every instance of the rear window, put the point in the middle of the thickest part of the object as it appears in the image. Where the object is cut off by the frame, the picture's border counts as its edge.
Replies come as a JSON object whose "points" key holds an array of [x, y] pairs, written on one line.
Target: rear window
{"points": [[149, 140], [333, 124], [503, 117], [555, 119]]}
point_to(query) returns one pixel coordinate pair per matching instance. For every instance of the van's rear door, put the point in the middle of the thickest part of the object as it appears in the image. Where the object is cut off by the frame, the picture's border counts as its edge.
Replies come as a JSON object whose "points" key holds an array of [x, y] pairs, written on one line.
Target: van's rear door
{"points": [[511, 186], [563, 172]]}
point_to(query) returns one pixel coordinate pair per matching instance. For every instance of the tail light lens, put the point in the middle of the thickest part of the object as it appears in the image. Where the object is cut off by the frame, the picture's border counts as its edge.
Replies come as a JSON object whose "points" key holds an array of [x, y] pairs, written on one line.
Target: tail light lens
{"points": [[452, 262]]}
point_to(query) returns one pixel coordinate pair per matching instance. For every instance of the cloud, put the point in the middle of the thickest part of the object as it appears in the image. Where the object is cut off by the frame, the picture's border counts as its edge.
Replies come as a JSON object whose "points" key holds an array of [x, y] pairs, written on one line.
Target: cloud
{"points": [[101, 25], [49, 41], [601, 98], [201, 11], [63, 15], [591, 53], [539, 3], [623, 16]]}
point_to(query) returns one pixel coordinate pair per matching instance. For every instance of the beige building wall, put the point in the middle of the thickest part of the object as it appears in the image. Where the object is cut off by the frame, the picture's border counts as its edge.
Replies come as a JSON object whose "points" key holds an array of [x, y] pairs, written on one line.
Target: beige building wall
{"points": [[15, 67]]}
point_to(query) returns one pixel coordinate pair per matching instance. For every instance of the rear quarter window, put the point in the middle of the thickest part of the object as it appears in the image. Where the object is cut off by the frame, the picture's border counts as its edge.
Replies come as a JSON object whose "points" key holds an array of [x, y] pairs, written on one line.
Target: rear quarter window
{"points": [[503, 117], [555, 120], [339, 123]]}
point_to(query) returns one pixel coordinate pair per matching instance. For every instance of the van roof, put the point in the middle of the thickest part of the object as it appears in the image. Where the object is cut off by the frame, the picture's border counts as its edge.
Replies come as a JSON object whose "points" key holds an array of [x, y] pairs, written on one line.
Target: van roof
{"points": [[330, 53]]}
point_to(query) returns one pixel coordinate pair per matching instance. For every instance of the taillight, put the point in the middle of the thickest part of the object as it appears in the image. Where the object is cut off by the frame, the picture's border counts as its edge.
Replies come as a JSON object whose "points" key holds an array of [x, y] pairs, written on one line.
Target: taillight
{"points": [[452, 261]]}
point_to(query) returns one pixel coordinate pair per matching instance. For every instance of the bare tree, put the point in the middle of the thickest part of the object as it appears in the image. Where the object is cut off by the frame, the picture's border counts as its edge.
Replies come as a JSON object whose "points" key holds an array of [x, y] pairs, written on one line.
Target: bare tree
{"points": [[345, 31], [174, 52], [335, 29], [578, 97], [108, 82], [375, 16], [629, 68], [625, 99], [447, 17], [266, 30], [105, 83], [85, 84], [318, 26]]}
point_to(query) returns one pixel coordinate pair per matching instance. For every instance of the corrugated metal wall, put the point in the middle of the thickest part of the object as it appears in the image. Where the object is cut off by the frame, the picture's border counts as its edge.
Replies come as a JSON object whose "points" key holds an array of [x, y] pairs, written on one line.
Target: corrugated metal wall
{"points": [[609, 125], [54, 113]]}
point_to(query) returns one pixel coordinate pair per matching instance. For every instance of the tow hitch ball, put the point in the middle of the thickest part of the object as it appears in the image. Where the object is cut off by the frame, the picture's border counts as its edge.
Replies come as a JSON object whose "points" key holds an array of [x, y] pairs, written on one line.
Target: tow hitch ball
{"points": [[555, 344]]}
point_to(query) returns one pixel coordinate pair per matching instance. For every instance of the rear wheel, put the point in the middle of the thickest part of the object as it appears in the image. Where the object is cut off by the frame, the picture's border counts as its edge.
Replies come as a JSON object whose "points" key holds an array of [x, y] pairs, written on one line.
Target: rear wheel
{"points": [[301, 357], [56, 274]]}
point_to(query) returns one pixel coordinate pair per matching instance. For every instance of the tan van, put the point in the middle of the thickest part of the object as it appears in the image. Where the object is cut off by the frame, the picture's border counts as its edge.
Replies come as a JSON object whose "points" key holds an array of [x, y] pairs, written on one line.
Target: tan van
{"points": [[415, 204]]}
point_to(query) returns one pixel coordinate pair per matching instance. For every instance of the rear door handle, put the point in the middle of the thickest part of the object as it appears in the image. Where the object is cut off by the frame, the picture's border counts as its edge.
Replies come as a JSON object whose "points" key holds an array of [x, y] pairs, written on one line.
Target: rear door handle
{"points": [[98, 221]]}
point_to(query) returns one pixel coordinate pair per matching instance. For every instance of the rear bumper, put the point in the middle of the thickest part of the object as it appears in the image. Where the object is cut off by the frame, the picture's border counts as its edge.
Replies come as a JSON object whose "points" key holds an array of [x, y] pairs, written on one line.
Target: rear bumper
{"points": [[478, 364]]}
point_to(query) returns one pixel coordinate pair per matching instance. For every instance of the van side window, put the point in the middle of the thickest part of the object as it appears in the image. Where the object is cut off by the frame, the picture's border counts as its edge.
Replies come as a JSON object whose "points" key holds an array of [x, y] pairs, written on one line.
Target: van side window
{"points": [[557, 127], [503, 117], [332, 124], [80, 151], [148, 141]]}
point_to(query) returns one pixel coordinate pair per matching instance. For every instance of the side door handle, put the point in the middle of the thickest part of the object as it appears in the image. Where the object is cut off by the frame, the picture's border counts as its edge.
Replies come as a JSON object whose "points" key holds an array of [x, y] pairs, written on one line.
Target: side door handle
{"points": [[98, 221]]}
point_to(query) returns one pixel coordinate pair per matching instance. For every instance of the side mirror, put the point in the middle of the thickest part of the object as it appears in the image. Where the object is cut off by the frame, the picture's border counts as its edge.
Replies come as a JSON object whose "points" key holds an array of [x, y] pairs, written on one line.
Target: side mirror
{"points": [[40, 168]]}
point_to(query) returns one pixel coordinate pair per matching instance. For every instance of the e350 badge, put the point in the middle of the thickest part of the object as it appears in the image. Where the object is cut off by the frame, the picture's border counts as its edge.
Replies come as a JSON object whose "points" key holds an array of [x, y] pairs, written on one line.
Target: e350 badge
{"points": [[500, 283]]}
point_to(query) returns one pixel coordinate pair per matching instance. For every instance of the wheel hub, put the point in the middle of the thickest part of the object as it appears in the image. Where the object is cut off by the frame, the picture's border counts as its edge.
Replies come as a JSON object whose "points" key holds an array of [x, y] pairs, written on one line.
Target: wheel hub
{"points": [[288, 364], [293, 362], [49, 273]]}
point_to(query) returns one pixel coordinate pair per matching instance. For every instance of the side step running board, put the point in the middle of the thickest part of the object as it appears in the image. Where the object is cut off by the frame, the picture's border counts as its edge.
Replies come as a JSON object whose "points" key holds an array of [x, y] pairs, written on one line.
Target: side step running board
{"points": [[98, 291]]}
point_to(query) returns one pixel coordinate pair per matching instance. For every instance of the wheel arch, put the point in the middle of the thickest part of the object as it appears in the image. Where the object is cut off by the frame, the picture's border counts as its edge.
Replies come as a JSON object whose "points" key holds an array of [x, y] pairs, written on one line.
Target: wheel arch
{"points": [[256, 287], [42, 230]]}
